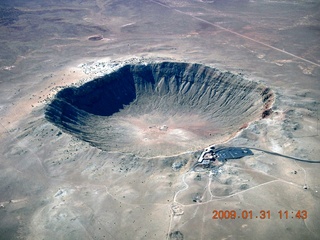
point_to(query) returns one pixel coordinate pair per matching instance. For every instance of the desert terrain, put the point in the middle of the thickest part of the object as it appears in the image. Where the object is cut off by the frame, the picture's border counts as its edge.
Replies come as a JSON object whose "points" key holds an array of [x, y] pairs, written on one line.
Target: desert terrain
{"points": [[106, 106]]}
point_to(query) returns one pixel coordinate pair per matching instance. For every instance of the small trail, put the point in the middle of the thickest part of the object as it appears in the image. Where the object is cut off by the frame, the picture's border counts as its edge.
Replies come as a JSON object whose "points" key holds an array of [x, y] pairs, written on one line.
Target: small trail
{"points": [[232, 195], [175, 201], [209, 186], [305, 173], [183, 189]]}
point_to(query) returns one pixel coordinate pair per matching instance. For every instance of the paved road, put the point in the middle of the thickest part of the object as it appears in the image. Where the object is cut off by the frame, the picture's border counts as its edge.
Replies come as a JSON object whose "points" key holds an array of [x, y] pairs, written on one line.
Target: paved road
{"points": [[285, 156]]}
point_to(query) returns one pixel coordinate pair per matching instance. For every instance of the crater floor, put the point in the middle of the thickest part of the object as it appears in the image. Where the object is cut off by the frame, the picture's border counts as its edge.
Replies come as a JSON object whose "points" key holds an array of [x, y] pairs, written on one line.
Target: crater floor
{"points": [[159, 108]]}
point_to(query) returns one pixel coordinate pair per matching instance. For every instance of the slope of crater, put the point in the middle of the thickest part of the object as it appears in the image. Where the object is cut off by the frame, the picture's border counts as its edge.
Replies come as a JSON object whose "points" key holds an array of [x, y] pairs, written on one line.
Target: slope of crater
{"points": [[159, 108]]}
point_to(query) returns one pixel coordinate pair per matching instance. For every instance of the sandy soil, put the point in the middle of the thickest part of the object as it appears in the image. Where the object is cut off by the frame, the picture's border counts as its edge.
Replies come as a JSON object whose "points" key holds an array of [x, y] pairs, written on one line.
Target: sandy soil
{"points": [[56, 186]]}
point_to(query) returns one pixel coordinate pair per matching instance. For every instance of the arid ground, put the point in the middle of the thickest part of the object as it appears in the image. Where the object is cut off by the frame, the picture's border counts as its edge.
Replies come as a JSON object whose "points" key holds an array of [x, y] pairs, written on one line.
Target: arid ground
{"points": [[79, 161]]}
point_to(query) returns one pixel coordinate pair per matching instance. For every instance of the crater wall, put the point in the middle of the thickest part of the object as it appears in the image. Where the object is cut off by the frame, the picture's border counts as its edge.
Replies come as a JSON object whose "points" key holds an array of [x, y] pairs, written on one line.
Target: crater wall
{"points": [[159, 108]]}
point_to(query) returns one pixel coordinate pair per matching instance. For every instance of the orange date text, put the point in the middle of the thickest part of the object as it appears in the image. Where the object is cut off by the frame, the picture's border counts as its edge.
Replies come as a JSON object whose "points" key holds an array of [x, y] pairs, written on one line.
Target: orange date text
{"points": [[262, 214]]}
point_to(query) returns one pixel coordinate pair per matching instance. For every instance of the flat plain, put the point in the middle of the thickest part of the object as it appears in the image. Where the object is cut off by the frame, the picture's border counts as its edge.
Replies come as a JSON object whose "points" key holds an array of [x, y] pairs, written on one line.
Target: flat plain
{"points": [[129, 175]]}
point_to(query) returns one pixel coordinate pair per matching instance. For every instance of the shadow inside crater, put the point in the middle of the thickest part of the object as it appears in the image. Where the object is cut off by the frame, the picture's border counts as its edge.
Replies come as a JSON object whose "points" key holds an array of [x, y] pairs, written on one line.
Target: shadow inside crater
{"points": [[103, 96], [126, 107]]}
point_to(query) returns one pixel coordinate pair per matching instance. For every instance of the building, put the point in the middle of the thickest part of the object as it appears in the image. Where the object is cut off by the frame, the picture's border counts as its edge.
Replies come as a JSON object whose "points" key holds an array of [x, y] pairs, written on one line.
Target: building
{"points": [[222, 154]]}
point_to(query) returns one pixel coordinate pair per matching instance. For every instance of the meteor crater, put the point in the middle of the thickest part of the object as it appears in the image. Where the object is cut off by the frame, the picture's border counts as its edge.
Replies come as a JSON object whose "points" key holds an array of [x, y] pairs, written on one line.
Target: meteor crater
{"points": [[159, 109]]}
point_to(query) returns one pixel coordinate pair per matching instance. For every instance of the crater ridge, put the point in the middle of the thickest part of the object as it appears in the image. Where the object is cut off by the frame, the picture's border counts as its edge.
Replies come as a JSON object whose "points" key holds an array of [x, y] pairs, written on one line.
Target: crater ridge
{"points": [[159, 109]]}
